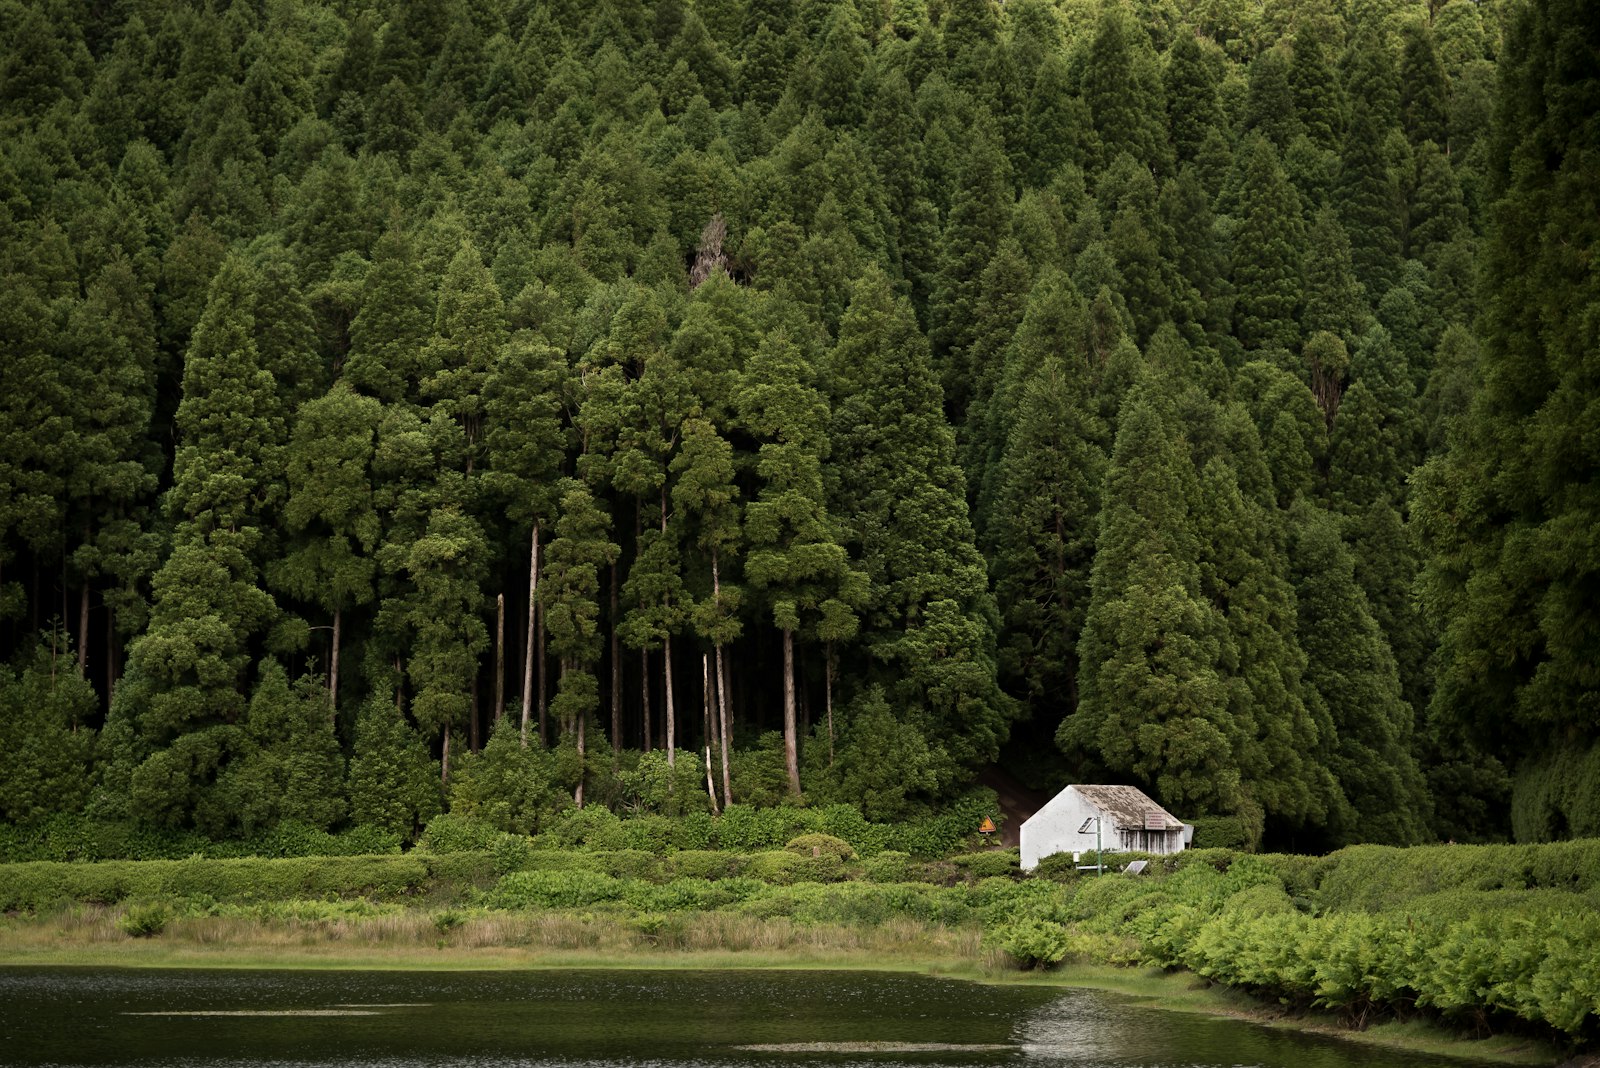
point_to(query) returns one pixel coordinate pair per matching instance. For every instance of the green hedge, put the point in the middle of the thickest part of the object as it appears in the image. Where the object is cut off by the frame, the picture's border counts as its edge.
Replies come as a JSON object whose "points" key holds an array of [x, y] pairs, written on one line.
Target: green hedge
{"points": [[39, 884], [69, 837]]}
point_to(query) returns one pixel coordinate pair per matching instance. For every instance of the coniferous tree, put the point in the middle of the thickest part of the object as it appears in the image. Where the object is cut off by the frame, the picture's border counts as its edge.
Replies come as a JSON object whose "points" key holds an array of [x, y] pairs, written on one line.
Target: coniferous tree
{"points": [[330, 511], [1352, 672], [290, 769], [391, 784], [1506, 575], [1152, 700], [1270, 248], [795, 564], [45, 743], [1046, 508], [209, 607], [900, 498]]}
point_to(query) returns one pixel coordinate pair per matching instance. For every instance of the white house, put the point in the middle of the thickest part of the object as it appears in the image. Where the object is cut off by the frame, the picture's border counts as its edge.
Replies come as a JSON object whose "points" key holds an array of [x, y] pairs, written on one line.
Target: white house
{"points": [[1128, 820]]}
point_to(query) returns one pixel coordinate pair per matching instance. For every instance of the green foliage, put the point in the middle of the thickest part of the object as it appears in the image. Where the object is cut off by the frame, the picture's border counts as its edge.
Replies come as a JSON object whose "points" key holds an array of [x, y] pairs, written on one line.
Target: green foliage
{"points": [[802, 333], [144, 920], [819, 845]]}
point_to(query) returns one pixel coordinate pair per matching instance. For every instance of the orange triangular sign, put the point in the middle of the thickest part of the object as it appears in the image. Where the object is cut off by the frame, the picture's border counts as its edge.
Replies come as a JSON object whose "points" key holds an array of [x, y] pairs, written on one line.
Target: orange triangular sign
{"points": [[987, 826]]}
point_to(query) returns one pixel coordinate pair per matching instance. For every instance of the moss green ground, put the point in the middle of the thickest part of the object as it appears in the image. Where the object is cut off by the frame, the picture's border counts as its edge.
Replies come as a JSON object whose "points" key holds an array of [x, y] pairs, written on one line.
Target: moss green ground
{"points": [[413, 939]]}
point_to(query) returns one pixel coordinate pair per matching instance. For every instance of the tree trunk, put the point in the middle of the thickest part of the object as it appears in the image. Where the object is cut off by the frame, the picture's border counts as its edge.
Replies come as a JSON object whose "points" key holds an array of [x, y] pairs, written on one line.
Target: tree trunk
{"points": [[333, 669], [111, 655], [616, 669], [444, 760], [539, 666], [722, 678], [705, 689], [527, 652], [828, 670], [583, 721], [499, 659], [644, 692], [666, 658], [722, 734], [666, 678], [399, 687], [83, 631], [725, 684], [791, 746]]}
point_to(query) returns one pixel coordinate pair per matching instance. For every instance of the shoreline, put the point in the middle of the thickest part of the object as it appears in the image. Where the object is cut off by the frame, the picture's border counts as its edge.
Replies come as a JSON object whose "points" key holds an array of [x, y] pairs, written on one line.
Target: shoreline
{"points": [[1146, 987]]}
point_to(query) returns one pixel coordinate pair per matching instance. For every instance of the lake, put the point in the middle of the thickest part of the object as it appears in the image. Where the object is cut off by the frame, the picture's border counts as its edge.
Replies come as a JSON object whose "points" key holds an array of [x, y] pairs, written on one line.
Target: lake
{"points": [[613, 1019]]}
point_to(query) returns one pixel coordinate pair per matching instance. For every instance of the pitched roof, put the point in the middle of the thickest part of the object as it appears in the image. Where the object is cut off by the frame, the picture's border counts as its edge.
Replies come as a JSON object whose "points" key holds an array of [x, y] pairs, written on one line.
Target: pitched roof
{"points": [[1128, 806]]}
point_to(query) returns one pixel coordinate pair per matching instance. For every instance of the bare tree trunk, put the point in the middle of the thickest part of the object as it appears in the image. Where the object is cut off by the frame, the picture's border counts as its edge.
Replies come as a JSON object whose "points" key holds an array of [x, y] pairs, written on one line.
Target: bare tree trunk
{"points": [[722, 681], [83, 631], [527, 653], [499, 659], [399, 687], [333, 669], [705, 690], [791, 746], [644, 692], [616, 670], [722, 715], [666, 678], [111, 655], [444, 759], [666, 658], [828, 670], [583, 721], [539, 668]]}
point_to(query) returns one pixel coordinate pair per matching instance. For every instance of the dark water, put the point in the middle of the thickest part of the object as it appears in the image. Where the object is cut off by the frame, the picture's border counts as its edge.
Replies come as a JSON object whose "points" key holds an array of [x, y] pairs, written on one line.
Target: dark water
{"points": [[601, 1019]]}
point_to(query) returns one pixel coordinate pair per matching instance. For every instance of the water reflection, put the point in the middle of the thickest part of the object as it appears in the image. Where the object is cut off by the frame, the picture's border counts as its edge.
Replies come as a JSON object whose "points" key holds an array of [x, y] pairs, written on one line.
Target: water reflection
{"points": [[611, 1019]]}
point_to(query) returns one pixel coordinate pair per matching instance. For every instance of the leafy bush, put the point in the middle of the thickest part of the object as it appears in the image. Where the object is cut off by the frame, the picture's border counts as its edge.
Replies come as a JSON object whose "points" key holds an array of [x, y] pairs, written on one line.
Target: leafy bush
{"points": [[594, 827], [705, 864], [651, 834], [1032, 943], [889, 866], [451, 833], [145, 920], [750, 829], [554, 890], [633, 864], [941, 835], [1057, 867], [778, 868], [40, 884], [819, 845], [511, 852], [1221, 832], [989, 864]]}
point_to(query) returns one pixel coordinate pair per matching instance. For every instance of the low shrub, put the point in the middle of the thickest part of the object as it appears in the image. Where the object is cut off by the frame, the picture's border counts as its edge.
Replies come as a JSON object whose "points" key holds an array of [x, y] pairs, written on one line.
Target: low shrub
{"points": [[456, 834], [820, 845], [1032, 943], [649, 834], [632, 864], [988, 864], [889, 866], [144, 920], [554, 890], [705, 864]]}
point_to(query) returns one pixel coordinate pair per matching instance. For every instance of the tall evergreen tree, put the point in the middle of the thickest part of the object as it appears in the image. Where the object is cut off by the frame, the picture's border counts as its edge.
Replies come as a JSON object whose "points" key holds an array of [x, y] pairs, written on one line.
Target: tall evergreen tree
{"points": [[1153, 703], [901, 500], [1509, 576]]}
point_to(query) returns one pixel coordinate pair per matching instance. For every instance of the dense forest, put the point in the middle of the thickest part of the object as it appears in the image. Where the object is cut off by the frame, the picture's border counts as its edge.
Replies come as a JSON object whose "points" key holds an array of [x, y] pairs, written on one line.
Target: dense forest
{"points": [[506, 406]]}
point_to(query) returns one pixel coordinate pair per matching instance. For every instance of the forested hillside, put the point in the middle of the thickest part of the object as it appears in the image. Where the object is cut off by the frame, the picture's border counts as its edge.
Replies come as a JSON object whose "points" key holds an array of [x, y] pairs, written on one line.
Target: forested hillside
{"points": [[500, 406]]}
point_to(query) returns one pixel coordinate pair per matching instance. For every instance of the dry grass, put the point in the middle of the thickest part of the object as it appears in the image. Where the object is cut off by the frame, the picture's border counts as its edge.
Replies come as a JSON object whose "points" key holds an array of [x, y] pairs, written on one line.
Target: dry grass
{"points": [[90, 933]]}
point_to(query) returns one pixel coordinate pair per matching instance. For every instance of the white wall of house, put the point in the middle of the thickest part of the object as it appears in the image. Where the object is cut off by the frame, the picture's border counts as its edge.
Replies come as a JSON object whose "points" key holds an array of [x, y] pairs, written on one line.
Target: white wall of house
{"points": [[1055, 829]]}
